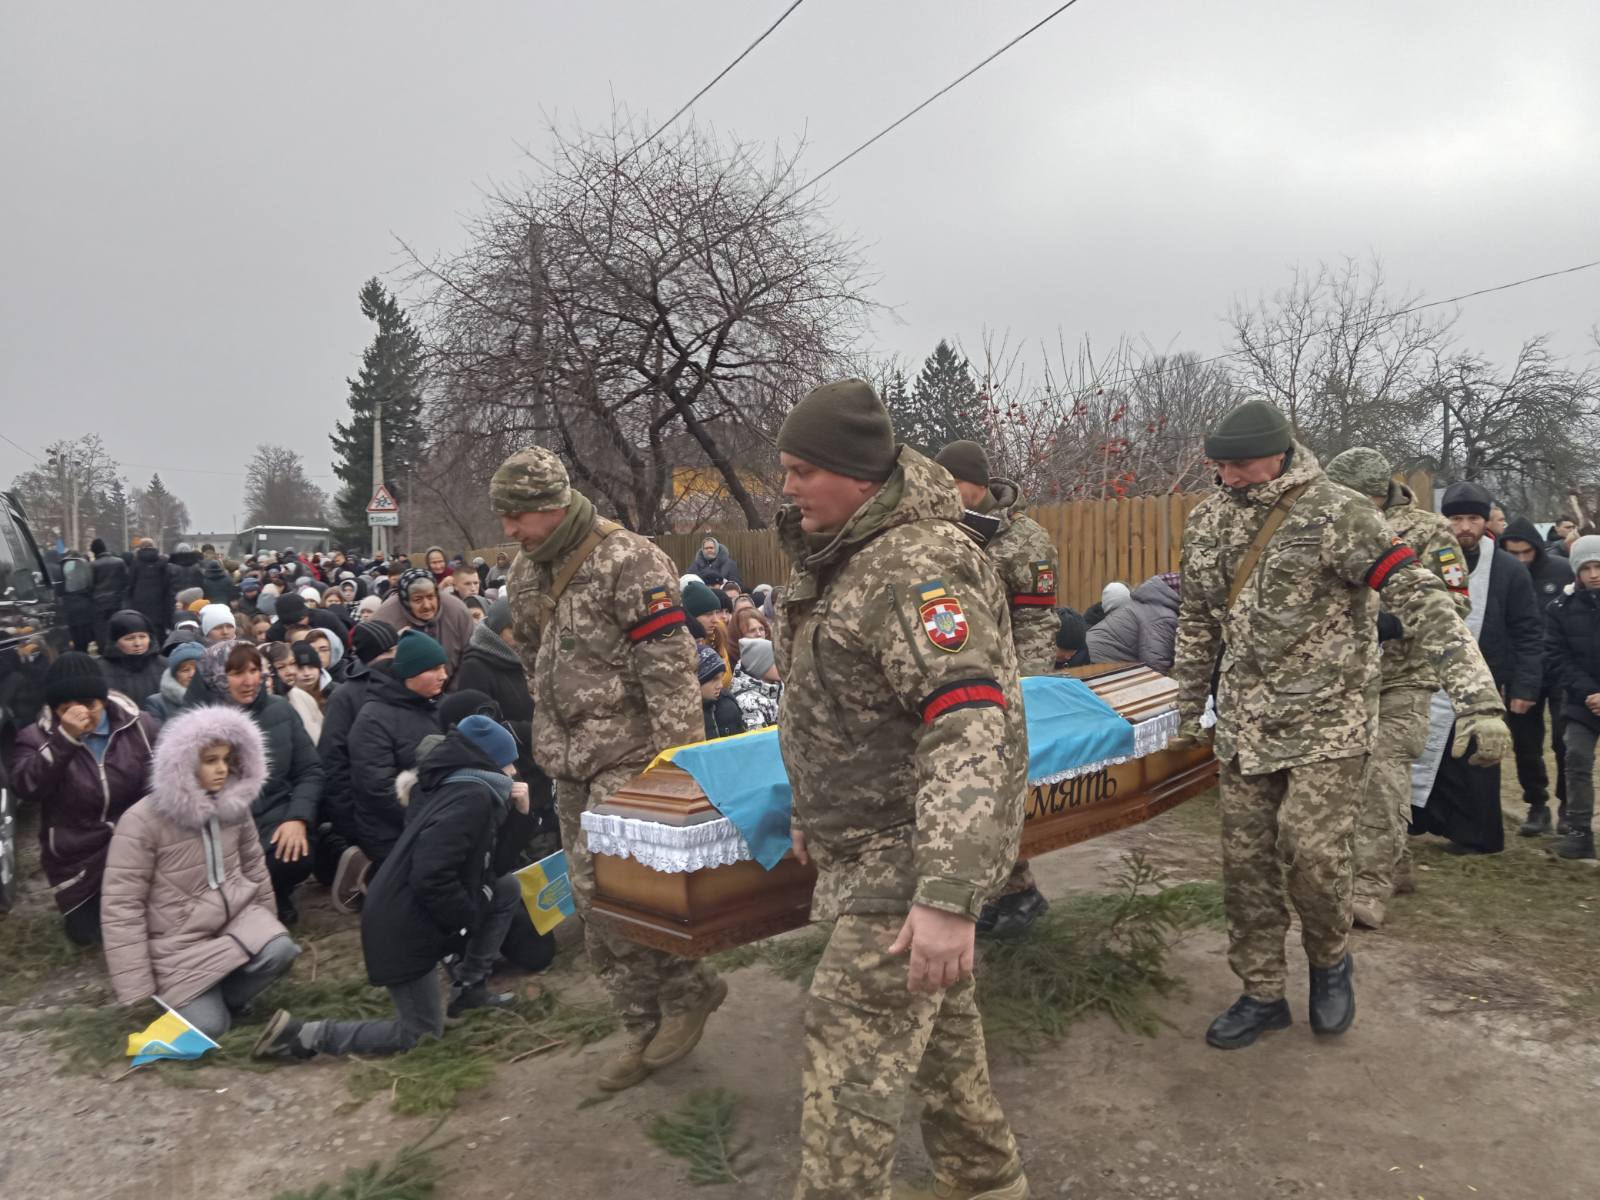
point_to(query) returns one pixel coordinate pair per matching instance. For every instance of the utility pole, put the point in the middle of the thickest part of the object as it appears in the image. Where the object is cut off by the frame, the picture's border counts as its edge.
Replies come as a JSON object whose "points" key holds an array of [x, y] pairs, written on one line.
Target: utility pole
{"points": [[380, 533]]}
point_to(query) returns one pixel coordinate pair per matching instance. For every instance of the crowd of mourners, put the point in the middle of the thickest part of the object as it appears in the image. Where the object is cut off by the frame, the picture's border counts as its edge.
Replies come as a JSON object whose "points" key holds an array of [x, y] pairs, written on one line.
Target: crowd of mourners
{"points": [[224, 732]]}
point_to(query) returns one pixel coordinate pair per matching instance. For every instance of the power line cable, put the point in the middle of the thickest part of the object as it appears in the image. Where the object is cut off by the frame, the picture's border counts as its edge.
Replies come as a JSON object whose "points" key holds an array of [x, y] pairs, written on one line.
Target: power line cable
{"points": [[743, 54], [957, 81], [23, 448]]}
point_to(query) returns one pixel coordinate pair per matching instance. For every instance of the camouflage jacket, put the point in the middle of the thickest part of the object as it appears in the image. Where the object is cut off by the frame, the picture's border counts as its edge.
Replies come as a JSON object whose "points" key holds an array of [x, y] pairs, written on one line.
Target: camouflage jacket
{"points": [[1026, 558], [1405, 662], [1299, 650], [901, 720], [612, 674]]}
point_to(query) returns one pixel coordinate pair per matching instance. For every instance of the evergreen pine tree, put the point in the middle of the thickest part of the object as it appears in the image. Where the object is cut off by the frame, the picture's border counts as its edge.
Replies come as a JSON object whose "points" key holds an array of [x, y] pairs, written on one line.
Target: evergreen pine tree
{"points": [[942, 406], [391, 372]]}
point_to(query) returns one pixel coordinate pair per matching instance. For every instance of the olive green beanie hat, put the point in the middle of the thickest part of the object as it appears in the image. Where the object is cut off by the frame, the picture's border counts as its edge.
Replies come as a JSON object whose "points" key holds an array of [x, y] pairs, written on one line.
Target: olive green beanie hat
{"points": [[967, 461], [1255, 429], [844, 428], [1361, 469]]}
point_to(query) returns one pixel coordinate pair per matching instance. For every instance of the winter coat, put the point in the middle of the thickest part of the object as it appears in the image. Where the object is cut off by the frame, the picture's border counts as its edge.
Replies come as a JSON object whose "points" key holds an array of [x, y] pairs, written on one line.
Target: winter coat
{"points": [[432, 887], [1140, 631], [1551, 574], [757, 699], [333, 747], [138, 677], [79, 607], [81, 797], [110, 584], [150, 588], [187, 899], [186, 570], [1572, 652], [719, 566], [493, 668], [217, 583], [451, 626], [293, 782], [1512, 638], [383, 743], [723, 717], [320, 619], [168, 700]]}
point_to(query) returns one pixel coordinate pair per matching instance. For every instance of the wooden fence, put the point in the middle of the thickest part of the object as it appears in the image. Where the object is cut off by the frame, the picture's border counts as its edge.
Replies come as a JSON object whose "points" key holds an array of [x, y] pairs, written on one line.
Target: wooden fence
{"points": [[1097, 541]]}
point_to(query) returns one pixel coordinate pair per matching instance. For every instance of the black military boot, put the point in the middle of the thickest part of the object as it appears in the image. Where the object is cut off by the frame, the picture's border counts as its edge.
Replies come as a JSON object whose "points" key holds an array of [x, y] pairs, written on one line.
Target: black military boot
{"points": [[1563, 824], [1538, 821], [1579, 843], [1333, 999], [1246, 1020]]}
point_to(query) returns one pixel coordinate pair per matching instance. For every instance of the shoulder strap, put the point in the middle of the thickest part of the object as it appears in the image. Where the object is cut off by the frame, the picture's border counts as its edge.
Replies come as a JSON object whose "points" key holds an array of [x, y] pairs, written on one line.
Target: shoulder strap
{"points": [[1263, 538], [603, 529]]}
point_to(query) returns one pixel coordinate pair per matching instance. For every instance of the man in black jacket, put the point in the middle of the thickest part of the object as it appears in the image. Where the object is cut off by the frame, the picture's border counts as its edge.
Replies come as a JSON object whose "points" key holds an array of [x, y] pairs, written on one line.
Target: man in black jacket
{"points": [[1551, 577], [110, 586], [1463, 802], [150, 588], [435, 900], [1572, 660]]}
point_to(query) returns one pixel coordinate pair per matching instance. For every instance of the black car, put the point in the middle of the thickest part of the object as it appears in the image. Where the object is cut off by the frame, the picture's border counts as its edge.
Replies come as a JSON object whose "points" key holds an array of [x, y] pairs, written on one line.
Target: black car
{"points": [[33, 631]]}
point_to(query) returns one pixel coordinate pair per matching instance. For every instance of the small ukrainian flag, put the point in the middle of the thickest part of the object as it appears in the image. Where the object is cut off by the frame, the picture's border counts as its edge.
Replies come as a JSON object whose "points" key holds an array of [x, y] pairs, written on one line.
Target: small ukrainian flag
{"points": [[547, 892], [169, 1036]]}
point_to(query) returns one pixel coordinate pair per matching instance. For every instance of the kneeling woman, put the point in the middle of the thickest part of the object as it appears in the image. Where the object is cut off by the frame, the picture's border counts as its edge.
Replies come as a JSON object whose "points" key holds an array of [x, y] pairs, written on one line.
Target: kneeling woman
{"points": [[187, 909]]}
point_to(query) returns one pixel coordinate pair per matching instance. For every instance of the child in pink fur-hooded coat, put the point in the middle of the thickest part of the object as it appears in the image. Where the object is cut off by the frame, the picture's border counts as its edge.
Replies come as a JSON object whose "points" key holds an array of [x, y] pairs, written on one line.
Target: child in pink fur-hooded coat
{"points": [[186, 908]]}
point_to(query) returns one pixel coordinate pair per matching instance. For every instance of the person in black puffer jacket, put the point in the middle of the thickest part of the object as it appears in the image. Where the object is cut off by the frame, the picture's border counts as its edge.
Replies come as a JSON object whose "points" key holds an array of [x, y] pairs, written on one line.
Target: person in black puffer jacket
{"points": [[491, 665], [110, 586], [401, 710], [131, 662], [721, 711], [285, 811], [216, 583], [184, 565], [1551, 577], [1572, 661], [150, 587], [435, 898]]}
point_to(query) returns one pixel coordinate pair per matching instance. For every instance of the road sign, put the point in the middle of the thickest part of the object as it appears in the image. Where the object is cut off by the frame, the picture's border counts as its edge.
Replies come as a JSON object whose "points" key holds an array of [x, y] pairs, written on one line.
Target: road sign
{"points": [[381, 518], [383, 501]]}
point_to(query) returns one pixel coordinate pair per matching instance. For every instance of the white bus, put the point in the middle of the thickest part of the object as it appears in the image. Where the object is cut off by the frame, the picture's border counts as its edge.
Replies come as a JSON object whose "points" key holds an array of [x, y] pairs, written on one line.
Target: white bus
{"points": [[269, 539]]}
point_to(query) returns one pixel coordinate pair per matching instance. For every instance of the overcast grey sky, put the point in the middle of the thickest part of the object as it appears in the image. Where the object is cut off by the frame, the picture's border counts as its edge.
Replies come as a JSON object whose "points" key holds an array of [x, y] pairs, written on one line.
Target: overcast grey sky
{"points": [[194, 193]]}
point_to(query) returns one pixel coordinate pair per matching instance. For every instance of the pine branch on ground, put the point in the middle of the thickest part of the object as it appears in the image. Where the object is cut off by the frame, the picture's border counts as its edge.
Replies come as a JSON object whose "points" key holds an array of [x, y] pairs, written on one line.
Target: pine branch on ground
{"points": [[702, 1134], [411, 1175]]}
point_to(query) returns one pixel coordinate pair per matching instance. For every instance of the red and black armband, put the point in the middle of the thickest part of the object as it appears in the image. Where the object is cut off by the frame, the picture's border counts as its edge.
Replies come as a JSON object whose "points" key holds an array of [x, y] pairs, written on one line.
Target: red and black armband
{"points": [[963, 693], [1383, 570], [1033, 600], [664, 621]]}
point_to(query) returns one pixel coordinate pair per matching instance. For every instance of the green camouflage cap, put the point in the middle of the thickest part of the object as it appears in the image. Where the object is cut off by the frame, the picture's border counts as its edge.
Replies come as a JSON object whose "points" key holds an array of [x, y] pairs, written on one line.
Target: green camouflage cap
{"points": [[1361, 469], [531, 480]]}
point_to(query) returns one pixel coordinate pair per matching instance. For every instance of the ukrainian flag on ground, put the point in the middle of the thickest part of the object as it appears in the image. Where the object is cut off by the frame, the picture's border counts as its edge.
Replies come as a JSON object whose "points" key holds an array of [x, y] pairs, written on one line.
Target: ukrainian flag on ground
{"points": [[546, 891], [169, 1036]]}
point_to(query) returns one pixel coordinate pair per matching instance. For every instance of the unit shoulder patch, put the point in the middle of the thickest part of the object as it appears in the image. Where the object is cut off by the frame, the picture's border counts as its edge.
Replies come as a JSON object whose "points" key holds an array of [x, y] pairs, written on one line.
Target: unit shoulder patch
{"points": [[942, 617]]}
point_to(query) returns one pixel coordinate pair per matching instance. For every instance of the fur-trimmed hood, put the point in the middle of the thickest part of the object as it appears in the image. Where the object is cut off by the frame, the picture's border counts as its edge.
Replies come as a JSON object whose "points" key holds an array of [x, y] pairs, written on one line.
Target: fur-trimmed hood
{"points": [[176, 794]]}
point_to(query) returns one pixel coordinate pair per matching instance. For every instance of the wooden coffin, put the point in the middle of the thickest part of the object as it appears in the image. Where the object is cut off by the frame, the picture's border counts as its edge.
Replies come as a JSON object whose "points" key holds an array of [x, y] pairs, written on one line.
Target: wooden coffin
{"points": [[695, 913]]}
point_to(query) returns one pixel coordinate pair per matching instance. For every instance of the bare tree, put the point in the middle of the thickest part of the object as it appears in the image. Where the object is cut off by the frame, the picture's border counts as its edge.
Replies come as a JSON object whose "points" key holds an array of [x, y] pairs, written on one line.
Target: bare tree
{"points": [[1529, 434], [278, 492], [632, 292], [161, 516], [1342, 357]]}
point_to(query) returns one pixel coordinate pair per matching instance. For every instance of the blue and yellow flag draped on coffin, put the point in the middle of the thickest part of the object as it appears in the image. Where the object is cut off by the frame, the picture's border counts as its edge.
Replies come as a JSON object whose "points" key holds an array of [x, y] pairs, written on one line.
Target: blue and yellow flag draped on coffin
{"points": [[1069, 728], [546, 891], [168, 1036]]}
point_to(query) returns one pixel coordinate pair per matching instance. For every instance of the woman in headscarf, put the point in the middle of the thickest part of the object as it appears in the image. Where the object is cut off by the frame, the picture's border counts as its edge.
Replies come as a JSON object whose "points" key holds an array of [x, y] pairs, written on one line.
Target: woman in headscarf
{"points": [[438, 564], [417, 603], [285, 811]]}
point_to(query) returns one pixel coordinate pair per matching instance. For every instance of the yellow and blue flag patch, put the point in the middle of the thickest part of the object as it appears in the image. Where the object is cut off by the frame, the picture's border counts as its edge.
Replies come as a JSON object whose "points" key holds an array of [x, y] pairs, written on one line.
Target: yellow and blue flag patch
{"points": [[168, 1036], [547, 892]]}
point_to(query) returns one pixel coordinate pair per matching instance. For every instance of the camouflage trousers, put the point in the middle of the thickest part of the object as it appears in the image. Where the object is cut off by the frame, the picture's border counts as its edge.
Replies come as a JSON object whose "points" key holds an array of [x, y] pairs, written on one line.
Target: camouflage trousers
{"points": [[1381, 840], [870, 1040], [643, 984], [1289, 827]]}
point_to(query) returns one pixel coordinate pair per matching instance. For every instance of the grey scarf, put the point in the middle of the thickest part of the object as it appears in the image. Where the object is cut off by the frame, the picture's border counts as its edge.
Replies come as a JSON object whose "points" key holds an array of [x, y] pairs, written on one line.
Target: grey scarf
{"points": [[211, 839], [490, 643]]}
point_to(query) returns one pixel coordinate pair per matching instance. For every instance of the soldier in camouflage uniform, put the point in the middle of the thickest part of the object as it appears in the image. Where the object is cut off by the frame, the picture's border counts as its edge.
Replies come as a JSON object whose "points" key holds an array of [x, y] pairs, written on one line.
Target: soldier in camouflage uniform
{"points": [[1026, 558], [610, 665], [902, 730], [1297, 699], [1408, 683]]}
